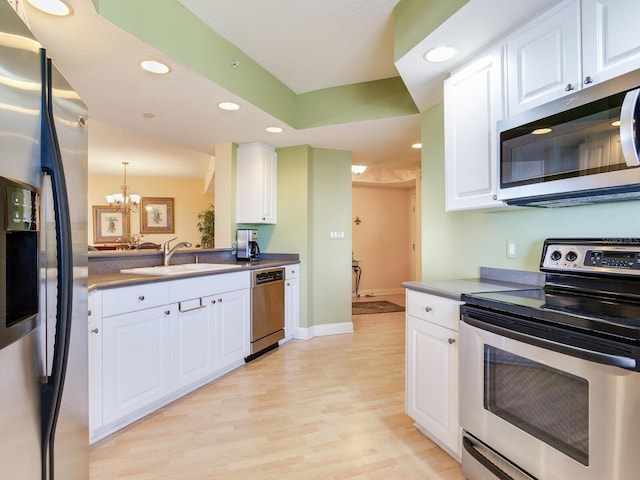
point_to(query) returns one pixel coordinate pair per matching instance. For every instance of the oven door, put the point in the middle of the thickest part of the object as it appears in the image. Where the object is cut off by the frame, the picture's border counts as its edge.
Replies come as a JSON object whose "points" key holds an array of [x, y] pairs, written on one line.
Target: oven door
{"points": [[549, 415]]}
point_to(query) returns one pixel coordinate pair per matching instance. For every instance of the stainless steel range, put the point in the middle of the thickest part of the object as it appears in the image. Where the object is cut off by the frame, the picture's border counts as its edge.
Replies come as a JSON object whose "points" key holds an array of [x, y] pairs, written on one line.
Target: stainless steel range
{"points": [[550, 377]]}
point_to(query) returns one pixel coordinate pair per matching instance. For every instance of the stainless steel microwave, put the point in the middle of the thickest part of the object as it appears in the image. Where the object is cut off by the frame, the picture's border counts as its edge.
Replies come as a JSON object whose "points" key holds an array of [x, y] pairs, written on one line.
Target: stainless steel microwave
{"points": [[581, 148]]}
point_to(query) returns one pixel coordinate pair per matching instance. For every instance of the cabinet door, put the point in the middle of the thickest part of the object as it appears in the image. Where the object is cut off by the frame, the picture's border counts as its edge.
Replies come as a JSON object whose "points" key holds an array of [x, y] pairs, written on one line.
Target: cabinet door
{"points": [[472, 107], [291, 307], [256, 170], [432, 380], [135, 361], [543, 59], [231, 323], [192, 335], [610, 40], [94, 303], [269, 173]]}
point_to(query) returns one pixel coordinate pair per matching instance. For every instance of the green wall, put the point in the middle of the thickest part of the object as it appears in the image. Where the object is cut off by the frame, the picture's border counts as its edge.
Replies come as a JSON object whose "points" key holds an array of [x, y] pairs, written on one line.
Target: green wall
{"points": [[330, 286], [457, 244], [292, 233], [314, 199], [414, 20]]}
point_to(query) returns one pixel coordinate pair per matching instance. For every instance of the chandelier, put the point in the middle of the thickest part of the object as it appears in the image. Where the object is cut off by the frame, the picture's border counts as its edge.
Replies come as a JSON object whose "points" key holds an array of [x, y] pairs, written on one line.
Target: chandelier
{"points": [[124, 202]]}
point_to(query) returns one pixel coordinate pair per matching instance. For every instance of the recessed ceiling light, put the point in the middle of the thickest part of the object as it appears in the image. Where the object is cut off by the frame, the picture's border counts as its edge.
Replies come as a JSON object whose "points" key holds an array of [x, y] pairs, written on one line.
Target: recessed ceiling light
{"points": [[358, 169], [416, 145], [440, 54], [541, 131], [154, 66], [228, 106], [52, 7], [274, 129]]}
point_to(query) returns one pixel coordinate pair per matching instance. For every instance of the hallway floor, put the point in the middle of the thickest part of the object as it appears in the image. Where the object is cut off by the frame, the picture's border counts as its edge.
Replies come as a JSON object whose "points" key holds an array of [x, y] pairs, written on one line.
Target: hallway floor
{"points": [[328, 408]]}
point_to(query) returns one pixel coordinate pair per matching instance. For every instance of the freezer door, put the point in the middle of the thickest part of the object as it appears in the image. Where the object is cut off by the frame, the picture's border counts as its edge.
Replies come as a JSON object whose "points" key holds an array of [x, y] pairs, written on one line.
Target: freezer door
{"points": [[20, 160]]}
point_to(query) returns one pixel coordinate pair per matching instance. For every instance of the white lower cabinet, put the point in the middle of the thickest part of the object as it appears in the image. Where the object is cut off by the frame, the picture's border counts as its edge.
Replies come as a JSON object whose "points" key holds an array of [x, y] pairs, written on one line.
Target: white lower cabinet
{"points": [[153, 343], [432, 368], [94, 305], [135, 361], [191, 343], [230, 316], [291, 301]]}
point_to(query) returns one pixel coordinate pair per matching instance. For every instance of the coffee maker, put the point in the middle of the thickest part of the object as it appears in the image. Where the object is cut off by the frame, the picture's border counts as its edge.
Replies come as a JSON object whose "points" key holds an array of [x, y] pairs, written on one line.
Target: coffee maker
{"points": [[247, 244]]}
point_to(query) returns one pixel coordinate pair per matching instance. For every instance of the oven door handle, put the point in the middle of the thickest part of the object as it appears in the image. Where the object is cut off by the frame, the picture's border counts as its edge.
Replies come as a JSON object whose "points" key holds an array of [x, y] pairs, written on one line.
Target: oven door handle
{"points": [[597, 357]]}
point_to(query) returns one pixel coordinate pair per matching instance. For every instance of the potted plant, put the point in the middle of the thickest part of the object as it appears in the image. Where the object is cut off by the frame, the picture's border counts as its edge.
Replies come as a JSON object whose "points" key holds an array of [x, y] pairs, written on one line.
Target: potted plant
{"points": [[206, 227]]}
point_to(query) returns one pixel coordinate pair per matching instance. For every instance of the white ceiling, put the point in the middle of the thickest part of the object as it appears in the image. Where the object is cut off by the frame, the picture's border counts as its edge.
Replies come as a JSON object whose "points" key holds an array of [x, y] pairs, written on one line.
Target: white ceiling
{"points": [[307, 44]]}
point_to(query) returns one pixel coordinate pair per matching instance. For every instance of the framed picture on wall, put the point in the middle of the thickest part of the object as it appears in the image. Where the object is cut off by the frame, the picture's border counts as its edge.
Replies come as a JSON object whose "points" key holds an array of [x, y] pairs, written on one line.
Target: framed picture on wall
{"points": [[156, 215], [109, 224]]}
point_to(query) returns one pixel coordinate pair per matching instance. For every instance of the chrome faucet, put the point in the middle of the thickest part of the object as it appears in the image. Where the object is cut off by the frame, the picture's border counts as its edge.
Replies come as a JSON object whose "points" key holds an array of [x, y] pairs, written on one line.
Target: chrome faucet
{"points": [[167, 253]]}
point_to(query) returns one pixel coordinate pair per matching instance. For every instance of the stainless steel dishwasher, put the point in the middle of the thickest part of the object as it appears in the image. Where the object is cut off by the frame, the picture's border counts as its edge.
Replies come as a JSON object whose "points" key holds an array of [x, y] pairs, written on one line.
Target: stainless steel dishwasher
{"points": [[267, 310]]}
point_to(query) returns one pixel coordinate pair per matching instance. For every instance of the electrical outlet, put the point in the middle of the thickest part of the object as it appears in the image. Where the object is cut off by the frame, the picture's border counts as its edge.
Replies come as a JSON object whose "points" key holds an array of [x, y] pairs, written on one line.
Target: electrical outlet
{"points": [[512, 249]]}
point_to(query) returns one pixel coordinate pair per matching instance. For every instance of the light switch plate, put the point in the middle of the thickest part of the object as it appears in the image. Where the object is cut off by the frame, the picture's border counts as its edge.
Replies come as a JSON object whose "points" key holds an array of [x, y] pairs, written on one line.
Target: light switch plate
{"points": [[512, 249]]}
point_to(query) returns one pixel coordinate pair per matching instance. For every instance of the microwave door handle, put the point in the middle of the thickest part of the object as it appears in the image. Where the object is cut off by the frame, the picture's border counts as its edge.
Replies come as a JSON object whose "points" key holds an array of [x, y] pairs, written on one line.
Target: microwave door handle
{"points": [[628, 128]]}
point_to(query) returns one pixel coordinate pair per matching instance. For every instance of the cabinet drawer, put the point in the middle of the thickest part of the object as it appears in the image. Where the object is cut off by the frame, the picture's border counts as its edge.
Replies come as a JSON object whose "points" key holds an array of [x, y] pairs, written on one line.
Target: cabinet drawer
{"points": [[292, 271], [203, 286], [432, 308], [136, 297]]}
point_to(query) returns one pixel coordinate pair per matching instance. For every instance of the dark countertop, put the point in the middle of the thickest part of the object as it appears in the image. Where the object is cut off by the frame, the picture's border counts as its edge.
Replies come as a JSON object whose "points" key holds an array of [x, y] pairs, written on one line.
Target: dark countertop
{"points": [[491, 280], [101, 281]]}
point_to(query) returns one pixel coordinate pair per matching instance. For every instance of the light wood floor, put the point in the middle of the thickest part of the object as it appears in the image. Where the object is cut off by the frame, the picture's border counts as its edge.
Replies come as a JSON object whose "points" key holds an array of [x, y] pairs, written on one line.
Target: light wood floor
{"points": [[328, 408]]}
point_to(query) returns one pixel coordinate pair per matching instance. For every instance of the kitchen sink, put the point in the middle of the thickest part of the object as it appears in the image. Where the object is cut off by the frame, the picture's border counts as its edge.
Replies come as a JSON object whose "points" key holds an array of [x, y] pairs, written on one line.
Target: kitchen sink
{"points": [[185, 268]]}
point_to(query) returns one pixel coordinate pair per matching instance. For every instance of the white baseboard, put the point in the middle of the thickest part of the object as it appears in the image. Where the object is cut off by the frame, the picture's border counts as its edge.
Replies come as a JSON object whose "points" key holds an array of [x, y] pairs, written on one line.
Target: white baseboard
{"points": [[322, 330], [380, 292]]}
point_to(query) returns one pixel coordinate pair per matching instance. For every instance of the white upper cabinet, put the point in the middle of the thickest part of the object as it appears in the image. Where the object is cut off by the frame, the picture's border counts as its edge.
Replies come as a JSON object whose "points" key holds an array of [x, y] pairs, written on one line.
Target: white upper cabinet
{"points": [[571, 47], [610, 38], [473, 104], [256, 173], [543, 59]]}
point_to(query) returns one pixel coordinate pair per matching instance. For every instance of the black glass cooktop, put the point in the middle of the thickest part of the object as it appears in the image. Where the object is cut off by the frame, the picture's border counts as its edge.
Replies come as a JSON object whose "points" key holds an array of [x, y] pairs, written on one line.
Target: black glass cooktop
{"points": [[587, 313]]}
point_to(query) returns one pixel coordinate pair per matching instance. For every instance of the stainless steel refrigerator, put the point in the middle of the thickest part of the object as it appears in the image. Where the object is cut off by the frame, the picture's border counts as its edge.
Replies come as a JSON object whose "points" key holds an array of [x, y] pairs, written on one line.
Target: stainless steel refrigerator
{"points": [[43, 264]]}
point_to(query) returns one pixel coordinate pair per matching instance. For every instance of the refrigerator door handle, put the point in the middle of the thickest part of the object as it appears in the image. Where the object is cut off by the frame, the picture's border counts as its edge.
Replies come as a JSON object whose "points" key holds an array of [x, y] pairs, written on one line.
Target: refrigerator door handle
{"points": [[51, 163]]}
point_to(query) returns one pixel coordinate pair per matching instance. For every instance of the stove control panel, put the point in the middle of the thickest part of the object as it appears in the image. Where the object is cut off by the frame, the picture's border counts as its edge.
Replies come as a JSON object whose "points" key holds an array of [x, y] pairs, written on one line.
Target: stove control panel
{"points": [[605, 257]]}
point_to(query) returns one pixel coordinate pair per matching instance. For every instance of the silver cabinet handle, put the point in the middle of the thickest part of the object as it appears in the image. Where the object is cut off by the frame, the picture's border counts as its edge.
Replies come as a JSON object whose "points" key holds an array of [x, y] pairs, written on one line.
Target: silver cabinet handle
{"points": [[451, 341], [628, 130], [180, 309], [569, 87], [95, 330], [588, 80], [427, 309]]}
